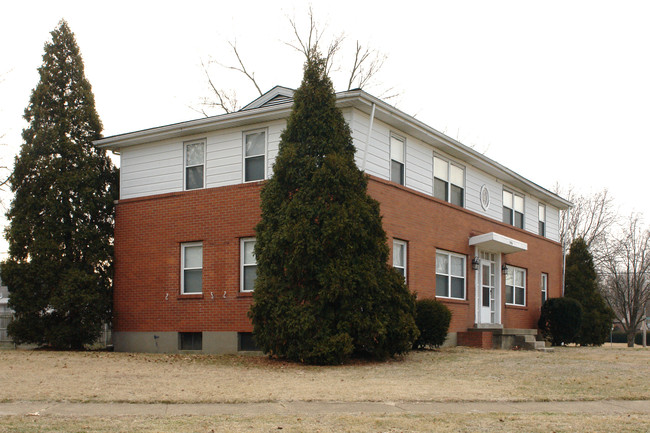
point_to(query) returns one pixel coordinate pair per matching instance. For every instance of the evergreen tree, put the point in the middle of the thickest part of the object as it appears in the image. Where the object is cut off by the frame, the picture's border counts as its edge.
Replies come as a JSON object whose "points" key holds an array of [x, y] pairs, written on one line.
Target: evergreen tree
{"points": [[61, 217], [324, 291], [582, 285]]}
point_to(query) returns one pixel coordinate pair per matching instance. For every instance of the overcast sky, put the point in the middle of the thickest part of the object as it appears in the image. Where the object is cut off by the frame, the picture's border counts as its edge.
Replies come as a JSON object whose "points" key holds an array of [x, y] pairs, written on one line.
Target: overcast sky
{"points": [[558, 91]]}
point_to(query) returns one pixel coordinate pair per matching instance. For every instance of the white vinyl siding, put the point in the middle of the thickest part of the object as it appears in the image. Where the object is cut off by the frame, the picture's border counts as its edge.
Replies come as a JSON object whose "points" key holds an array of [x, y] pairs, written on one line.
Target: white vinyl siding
{"points": [[474, 181], [420, 166], [552, 223], [152, 168], [158, 167], [378, 156]]}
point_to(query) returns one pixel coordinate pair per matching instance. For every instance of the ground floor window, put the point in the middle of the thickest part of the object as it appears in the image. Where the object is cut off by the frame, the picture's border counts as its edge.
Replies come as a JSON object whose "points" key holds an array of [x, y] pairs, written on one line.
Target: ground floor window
{"points": [[248, 265], [399, 257], [516, 286], [192, 268], [450, 275], [544, 287]]}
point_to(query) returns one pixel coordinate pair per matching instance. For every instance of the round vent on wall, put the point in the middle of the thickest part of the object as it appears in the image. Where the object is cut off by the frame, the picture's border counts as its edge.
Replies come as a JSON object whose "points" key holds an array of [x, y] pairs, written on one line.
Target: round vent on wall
{"points": [[485, 197]]}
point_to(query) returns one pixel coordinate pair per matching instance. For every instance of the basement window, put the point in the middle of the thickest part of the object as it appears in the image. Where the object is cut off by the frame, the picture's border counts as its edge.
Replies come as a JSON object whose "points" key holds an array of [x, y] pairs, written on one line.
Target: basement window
{"points": [[247, 342], [190, 340]]}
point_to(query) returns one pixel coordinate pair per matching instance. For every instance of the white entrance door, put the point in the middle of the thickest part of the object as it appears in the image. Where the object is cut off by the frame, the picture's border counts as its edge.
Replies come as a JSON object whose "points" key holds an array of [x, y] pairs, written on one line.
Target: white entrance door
{"points": [[488, 288]]}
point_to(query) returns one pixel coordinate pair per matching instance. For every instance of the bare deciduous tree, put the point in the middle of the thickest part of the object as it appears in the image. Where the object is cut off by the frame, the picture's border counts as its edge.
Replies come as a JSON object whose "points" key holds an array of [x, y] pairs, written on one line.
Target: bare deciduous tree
{"points": [[367, 63], [591, 218], [626, 267]]}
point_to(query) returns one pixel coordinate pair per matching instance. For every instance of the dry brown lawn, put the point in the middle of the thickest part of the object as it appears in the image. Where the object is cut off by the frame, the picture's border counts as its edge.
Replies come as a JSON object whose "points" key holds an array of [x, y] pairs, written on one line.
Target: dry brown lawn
{"points": [[389, 423], [454, 374]]}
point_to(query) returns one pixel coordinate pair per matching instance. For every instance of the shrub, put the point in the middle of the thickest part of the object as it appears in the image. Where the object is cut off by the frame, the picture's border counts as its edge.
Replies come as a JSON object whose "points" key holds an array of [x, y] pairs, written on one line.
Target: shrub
{"points": [[432, 319], [324, 290], [582, 285], [560, 320]]}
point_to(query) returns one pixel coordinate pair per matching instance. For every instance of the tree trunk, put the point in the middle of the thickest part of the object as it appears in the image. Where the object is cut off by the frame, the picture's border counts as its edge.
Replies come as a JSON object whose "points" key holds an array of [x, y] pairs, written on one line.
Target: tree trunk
{"points": [[631, 333]]}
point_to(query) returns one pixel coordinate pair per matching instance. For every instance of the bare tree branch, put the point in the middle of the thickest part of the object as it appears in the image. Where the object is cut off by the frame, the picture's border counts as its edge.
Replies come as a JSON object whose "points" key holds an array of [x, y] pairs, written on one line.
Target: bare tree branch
{"points": [[626, 265], [241, 68], [311, 46], [362, 71], [591, 218], [226, 101]]}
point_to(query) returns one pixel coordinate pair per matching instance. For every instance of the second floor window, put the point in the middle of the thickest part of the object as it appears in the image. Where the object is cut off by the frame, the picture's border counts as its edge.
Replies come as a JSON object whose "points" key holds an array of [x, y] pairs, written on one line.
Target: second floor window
{"points": [[254, 153], [513, 209], [448, 181], [542, 220], [397, 149], [194, 164]]}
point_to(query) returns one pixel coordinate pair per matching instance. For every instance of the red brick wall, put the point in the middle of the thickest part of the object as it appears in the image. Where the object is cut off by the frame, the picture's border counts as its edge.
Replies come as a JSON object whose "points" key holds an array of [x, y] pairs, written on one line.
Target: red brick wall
{"points": [[149, 232], [429, 224]]}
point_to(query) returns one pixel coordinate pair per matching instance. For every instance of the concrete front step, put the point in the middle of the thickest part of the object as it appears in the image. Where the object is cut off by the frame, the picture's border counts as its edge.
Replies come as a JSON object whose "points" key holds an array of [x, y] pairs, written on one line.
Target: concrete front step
{"points": [[502, 338]]}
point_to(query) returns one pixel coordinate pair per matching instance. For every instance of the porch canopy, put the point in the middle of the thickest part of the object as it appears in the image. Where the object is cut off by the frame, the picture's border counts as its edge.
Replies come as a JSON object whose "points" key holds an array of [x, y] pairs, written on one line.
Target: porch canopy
{"points": [[498, 243]]}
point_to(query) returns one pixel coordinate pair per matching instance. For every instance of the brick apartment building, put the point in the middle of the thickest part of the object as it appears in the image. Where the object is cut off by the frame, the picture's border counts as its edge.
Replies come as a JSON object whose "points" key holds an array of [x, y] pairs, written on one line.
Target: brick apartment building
{"points": [[461, 227]]}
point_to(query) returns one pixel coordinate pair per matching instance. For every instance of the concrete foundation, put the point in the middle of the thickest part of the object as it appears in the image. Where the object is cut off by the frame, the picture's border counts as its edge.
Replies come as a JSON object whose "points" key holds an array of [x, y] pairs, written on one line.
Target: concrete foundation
{"points": [[168, 342]]}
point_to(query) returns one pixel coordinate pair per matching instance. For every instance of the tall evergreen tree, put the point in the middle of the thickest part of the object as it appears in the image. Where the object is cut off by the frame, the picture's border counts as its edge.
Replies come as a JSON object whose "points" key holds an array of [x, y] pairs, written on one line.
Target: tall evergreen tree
{"points": [[61, 218], [581, 284], [324, 291]]}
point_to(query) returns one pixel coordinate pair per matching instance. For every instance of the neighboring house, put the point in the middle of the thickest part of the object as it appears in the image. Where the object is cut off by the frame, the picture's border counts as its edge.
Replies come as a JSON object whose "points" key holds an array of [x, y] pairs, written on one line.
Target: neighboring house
{"points": [[462, 228], [6, 313]]}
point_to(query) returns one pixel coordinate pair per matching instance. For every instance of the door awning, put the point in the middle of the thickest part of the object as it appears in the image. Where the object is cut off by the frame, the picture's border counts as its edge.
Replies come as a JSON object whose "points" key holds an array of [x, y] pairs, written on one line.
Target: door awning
{"points": [[498, 243]]}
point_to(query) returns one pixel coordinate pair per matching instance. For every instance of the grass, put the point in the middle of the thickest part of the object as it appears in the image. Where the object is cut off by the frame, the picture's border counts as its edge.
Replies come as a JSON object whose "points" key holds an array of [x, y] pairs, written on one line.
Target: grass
{"points": [[454, 374], [464, 423]]}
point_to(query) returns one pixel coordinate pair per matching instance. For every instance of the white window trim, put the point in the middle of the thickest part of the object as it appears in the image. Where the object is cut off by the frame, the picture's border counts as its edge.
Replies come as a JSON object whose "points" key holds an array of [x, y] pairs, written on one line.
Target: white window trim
{"points": [[514, 286], [544, 285], [405, 267], [512, 209], [541, 205], [394, 136], [183, 268], [450, 254], [266, 153], [185, 166], [242, 241], [449, 164]]}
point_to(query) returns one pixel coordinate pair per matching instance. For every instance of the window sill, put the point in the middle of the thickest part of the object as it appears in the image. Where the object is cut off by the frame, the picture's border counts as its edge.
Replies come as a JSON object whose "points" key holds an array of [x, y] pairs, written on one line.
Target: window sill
{"points": [[516, 306], [190, 296], [452, 300], [241, 294]]}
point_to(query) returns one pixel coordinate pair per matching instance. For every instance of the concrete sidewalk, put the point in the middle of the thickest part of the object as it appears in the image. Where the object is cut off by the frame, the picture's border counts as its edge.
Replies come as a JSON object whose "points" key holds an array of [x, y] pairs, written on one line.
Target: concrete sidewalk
{"points": [[36, 408]]}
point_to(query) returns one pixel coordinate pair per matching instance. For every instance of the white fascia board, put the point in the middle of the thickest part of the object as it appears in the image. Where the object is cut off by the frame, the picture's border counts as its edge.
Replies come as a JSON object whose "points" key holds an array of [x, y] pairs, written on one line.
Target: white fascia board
{"points": [[498, 243], [199, 126]]}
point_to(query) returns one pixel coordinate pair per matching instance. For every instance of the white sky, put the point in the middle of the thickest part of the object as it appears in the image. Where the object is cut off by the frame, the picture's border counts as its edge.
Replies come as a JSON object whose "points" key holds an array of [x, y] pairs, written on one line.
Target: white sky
{"points": [[558, 91]]}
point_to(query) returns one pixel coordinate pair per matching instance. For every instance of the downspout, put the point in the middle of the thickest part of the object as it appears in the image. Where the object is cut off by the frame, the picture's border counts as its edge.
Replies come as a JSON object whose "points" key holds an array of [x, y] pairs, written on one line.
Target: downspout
{"points": [[365, 148], [568, 214]]}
